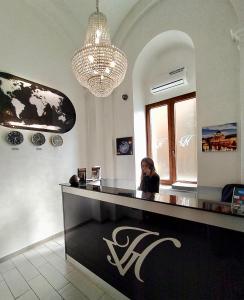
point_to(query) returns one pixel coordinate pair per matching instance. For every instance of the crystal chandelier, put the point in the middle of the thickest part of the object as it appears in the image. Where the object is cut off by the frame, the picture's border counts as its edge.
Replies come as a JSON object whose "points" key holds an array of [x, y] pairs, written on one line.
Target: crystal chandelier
{"points": [[99, 65]]}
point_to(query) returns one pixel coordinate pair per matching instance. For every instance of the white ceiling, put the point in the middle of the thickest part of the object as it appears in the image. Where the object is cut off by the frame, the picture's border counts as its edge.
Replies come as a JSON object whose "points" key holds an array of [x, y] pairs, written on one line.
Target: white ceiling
{"points": [[115, 10], [71, 16]]}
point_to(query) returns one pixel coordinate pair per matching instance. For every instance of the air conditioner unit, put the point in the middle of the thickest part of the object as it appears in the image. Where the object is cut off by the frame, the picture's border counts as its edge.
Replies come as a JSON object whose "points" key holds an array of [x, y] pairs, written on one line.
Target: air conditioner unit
{"points": [[172, 79]]}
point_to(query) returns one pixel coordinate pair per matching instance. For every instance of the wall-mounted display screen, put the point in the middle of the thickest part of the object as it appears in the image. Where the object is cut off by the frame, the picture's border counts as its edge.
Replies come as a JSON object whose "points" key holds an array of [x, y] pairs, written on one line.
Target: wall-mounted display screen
{"points": [[28, 105]]}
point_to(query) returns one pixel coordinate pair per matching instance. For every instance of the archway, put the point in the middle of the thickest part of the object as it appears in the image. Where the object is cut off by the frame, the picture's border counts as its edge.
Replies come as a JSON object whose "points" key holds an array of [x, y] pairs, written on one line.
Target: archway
{"points": [[168, 51]]}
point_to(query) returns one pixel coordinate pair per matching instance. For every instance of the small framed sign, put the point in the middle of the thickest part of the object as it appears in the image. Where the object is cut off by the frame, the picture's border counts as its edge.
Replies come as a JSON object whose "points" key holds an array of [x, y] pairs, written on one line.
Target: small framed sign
{"points": [[124, 146], [82, 175], [96, 173]]}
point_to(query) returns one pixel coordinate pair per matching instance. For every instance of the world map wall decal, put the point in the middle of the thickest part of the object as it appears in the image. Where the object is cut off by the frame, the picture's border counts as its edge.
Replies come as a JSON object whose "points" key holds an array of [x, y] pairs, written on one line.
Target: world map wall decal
{"points": [[28, 105]]}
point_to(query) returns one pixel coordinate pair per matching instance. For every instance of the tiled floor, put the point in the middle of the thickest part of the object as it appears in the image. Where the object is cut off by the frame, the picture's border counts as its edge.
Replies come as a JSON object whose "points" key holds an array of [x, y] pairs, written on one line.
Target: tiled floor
{"points": [[43, 273]]}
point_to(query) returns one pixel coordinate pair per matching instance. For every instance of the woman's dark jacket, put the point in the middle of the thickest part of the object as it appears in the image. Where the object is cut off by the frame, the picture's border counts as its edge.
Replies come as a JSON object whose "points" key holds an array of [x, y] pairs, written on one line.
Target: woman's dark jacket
{"points": [[150, 184]]}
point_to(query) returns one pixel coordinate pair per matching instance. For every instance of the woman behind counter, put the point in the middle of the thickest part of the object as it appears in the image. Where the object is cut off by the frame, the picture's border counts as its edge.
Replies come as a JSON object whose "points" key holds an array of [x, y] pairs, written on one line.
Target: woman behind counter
{"points": [[149, 178]]}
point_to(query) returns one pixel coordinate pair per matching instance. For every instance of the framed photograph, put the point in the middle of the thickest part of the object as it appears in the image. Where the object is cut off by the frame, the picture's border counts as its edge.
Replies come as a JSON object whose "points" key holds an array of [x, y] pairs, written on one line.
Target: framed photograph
{"points": [[96, 173], [124, 146], [219, 138], [82, 174]]}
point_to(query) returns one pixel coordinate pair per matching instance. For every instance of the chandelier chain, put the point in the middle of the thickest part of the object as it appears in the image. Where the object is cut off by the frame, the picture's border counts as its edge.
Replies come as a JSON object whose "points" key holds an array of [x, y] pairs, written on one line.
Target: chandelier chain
{"points": [[97, 5]]}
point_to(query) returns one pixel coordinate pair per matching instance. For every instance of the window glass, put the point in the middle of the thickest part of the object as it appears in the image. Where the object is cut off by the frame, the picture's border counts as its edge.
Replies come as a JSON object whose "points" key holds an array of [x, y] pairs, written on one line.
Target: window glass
{"points": [[160, 141], [185, 140]]}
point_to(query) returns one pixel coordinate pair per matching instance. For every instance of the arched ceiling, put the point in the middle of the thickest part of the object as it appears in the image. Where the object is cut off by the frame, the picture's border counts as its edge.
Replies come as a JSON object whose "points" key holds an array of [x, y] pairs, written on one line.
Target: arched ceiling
{"points": [[163, 42], [115, 10], [70, 17]]}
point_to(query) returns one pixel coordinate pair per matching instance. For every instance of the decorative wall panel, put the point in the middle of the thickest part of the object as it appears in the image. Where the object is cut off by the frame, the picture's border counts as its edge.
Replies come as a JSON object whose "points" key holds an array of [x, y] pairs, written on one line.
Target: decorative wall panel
{"points": [[32, 106]]}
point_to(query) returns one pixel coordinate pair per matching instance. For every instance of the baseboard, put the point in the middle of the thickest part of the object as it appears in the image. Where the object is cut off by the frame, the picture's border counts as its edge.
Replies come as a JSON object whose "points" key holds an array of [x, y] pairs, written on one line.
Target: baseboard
{"points": [[9, 256]]}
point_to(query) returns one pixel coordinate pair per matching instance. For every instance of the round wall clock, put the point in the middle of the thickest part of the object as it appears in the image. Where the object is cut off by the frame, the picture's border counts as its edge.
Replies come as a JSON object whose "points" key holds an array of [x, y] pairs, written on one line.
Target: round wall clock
{"points": [[57, 140], [38, 139], [15, 138]]}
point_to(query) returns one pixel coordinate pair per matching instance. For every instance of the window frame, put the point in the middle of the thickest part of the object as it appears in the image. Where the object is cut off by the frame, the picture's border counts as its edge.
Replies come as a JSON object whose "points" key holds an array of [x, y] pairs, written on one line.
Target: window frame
{"points": [[171, 132]]}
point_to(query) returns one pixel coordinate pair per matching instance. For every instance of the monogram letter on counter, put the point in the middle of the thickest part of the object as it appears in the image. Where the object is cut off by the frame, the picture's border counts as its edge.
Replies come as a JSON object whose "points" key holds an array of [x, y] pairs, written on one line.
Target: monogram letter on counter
{"points": [[130, 256]]}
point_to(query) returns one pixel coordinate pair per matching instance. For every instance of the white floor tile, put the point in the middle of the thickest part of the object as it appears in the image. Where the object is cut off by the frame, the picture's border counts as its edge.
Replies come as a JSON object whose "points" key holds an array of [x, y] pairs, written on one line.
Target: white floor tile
{"points": [[48, 259], [53, 257], [56, 248], [60, 251], [52, 245], [55, 278], [69, 292], [107, 297], [28, 270], [19, 260], [109, 291], [5, 293], [43, 250], [35, 258], [63, 266], [85, 285], [60, 240], [16, 282], [6, 266], [28, 296], [43, 289]]}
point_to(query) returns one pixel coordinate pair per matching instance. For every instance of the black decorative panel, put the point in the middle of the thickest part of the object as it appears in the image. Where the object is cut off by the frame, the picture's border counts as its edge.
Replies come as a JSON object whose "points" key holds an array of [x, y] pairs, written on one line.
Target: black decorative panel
{"points": [[29, 105], [148, 256]]}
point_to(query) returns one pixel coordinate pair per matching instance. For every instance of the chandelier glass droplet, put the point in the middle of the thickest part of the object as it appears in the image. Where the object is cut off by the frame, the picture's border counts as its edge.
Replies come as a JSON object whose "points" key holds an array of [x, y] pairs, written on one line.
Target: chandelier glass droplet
{"points": [[99, 65]]}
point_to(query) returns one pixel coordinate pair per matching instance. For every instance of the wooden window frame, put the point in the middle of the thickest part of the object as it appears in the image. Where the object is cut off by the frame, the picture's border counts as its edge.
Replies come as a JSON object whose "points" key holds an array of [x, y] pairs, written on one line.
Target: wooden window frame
{"points": [[171, 132]]}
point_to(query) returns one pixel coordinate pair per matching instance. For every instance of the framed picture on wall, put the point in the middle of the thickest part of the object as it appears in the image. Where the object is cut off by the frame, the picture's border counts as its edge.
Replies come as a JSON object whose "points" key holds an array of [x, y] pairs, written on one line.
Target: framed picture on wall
{"points": [[124, 146], [219, 138], [82, 174]]}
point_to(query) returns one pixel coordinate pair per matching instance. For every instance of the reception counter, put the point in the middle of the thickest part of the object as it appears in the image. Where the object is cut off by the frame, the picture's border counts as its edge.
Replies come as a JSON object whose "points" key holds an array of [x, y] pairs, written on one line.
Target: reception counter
{"points": [[155, 246]]}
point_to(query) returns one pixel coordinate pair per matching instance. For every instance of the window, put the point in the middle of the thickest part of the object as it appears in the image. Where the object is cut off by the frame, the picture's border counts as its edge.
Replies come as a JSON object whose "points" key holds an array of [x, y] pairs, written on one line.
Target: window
{"points": [[171, 138]]}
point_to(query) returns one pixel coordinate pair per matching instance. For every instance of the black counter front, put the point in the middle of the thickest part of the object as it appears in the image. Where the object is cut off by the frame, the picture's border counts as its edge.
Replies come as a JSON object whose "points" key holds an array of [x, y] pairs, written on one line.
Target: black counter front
{"points": [[139, 245]]}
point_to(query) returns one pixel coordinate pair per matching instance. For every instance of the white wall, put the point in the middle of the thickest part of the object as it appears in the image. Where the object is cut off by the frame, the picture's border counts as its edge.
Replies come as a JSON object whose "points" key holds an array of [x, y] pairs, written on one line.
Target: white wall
{"points": [[36, 48], [208, 23], [30, 197]]}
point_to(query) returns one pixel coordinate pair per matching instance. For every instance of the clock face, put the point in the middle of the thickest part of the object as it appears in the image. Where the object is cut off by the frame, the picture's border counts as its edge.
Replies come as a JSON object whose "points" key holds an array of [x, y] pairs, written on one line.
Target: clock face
{"points": [[15, 138], [38, 139], [56, 140]]}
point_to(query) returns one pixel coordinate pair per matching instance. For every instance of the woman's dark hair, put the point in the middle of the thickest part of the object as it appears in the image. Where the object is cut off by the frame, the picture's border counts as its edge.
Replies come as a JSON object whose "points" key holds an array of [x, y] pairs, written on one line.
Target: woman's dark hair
{"points": [[149, 162]]}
